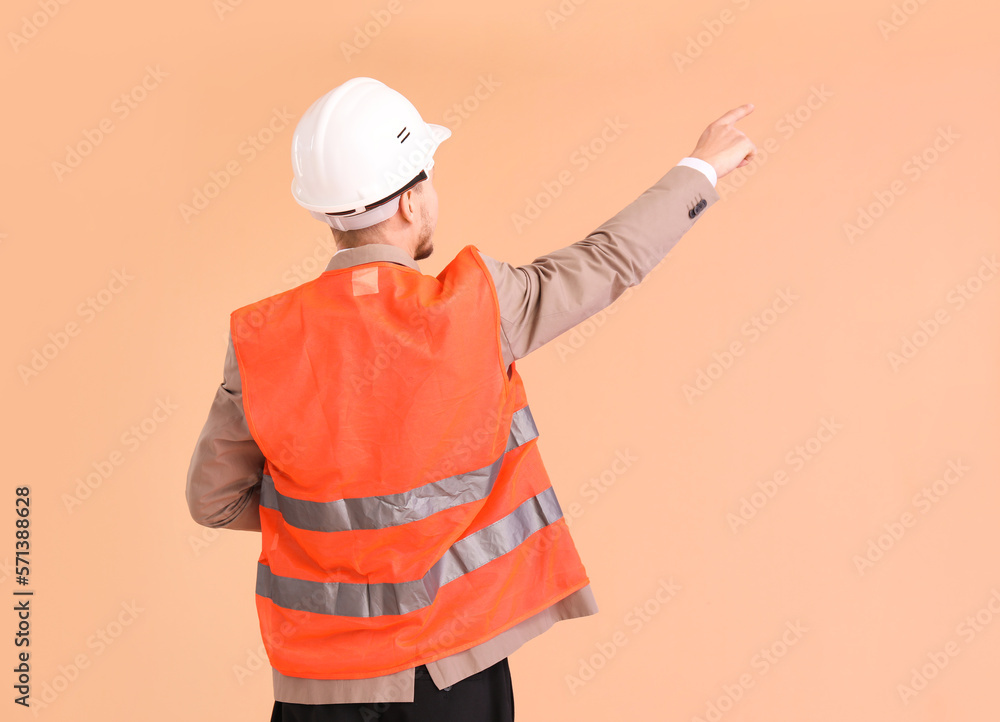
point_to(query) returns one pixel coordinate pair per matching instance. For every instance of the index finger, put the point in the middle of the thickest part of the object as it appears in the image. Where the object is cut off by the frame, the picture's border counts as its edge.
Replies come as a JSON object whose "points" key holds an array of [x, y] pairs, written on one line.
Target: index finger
{"points": [[735, 114]]}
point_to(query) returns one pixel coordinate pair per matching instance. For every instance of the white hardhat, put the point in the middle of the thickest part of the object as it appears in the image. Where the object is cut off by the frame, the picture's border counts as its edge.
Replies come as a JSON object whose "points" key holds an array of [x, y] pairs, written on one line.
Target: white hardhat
{"points": [[356, 149]]}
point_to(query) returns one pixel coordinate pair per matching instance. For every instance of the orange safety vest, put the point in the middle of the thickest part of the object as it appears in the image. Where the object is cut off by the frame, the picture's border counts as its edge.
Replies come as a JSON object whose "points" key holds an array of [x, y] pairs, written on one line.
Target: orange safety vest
{"points": [[405, 511]]}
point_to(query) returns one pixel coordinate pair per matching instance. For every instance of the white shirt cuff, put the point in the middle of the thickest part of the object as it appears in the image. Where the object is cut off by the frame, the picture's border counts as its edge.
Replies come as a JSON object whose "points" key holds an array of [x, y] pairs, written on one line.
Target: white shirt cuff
{"points": [[703, 165]]}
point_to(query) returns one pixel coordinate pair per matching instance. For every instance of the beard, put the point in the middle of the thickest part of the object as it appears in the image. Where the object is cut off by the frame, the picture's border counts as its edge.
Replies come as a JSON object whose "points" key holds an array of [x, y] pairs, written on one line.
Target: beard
{"points": [[425, 246]]}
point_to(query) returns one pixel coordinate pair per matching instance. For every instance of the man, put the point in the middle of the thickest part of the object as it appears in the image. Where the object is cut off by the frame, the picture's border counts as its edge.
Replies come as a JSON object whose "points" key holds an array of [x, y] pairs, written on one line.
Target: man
{"points": [[372, 425]]}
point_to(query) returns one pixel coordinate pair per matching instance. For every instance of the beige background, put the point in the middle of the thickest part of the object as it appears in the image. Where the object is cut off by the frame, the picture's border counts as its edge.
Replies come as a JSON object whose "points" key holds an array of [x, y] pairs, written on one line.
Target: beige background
{"points": [[174, 601]]}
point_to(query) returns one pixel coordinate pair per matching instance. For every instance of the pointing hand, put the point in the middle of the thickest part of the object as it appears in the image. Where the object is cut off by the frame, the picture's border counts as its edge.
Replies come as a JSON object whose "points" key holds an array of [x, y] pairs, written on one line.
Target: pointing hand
{"points": [[725, 147]]}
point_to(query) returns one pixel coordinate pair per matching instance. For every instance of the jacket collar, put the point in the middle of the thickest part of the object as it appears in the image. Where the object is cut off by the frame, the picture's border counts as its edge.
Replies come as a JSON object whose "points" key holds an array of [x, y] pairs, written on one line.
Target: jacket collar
{"points": [[368, 253]]}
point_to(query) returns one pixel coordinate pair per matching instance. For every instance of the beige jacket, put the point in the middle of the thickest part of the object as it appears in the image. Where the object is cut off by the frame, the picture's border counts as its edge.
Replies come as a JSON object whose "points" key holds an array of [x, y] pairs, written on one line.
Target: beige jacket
{"points": [[538, 302]]}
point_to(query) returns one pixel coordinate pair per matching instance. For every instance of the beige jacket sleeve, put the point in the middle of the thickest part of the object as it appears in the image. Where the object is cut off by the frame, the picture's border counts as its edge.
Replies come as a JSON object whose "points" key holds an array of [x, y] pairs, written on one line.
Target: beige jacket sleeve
{"points": [[223, 482], [557, 291]]}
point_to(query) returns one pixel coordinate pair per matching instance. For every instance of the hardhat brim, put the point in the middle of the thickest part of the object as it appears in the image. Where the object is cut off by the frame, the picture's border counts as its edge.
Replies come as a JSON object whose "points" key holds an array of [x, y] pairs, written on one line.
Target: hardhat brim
{"points": [[441, 133]]}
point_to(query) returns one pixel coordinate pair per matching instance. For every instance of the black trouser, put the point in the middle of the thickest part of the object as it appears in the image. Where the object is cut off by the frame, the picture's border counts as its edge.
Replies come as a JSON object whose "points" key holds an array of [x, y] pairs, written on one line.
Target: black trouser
{"points": [[486, 696]]}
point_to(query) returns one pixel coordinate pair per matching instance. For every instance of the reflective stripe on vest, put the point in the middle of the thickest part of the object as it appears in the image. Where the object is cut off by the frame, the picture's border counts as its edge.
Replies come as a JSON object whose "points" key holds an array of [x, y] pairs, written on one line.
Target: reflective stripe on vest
{"points": [[372, 600], [380, 512]]}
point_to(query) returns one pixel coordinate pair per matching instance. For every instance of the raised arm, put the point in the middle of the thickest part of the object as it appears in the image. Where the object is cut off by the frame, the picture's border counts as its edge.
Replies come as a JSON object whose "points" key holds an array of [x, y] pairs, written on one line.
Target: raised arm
{"points": [[545, 298]]}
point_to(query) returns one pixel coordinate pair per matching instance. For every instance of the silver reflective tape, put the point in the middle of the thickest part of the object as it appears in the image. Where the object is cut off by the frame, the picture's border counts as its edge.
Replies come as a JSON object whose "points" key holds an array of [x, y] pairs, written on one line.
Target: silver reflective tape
{"points": [[497, 539], [381, 512], [348, 599], [522, 428], [341, 598]]}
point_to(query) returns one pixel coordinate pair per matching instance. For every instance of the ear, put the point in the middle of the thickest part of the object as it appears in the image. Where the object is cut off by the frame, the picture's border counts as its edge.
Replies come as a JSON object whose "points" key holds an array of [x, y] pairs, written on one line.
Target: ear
{"points": [[408, 206]]}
